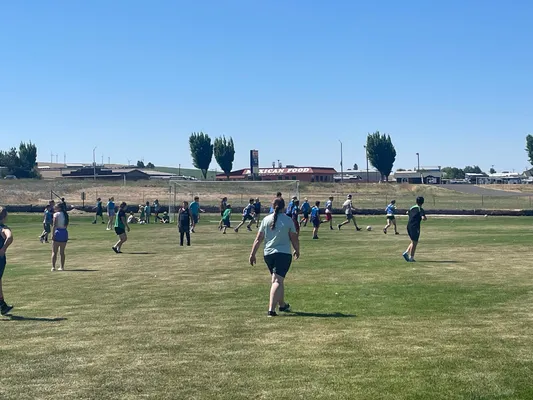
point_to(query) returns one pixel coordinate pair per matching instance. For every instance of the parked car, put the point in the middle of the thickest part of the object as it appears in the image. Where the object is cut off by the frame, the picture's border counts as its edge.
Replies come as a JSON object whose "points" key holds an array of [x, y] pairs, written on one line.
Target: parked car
{"points": [[10, 177]]}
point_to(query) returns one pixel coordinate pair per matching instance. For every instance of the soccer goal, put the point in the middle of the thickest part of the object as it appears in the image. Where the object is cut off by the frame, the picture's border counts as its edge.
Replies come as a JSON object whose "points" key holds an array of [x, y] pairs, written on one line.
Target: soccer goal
{"points": [[238, 193]]}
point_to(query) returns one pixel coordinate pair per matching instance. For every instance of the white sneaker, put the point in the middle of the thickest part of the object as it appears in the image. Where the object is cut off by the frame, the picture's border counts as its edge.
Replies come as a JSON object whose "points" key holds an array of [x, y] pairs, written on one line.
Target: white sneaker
{"points": [[60, 269], [108, 229], [53, 269]]}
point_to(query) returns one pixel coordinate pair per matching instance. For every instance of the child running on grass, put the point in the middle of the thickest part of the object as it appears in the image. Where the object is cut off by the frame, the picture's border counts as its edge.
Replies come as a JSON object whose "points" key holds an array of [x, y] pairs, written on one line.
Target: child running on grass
{"points": [[6, 238], [223, 204], [99, 211], [226, 219], [247, 215], [329, 212], [305, 209], [315, 219], [416, 216], [348, 210], [195, 212], [391, 219], [121, 226], [47, 221], [294, 215], [185, 217]]}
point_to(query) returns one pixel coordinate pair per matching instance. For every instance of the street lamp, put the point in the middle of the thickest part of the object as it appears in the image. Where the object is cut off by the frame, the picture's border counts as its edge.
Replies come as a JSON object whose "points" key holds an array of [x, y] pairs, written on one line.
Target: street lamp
{"points": [[94, 162], [342, 168], [367, 177], [418, 168]]}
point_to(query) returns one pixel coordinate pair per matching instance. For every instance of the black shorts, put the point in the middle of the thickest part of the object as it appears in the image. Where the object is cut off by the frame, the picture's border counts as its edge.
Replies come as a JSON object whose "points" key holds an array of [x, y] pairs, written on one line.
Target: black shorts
{"points": [[414, 233], [98, 213], [247, 218], [119, 231], [278, 263], [306, 215], [47, 228], [226, 223], [349, 217], [316, 222], [391, 217], [3, 262]]}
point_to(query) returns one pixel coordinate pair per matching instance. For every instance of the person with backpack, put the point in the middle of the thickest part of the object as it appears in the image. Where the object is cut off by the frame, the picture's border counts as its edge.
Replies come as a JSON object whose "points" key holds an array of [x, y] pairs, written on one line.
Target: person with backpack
{"points": [[247, 215]]}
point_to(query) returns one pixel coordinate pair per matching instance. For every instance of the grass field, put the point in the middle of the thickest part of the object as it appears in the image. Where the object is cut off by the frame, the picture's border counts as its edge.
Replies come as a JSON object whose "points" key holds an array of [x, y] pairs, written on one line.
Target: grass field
{"points": [[164, 322]]}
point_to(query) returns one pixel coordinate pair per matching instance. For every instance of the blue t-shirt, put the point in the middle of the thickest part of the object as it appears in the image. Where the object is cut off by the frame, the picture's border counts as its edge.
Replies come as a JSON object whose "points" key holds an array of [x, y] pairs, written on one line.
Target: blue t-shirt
{"points": [[305, 207], [110, 206], [288, 211], [99, 206], [48, 216], [247, 210], [257, 207], [295, 211], [391, 209], [195, 208], [315, 212]]}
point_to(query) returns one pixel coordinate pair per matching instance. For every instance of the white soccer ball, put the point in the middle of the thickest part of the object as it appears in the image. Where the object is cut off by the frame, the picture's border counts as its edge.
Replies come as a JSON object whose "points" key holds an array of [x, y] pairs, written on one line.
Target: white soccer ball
{"points": [[369, 228]]}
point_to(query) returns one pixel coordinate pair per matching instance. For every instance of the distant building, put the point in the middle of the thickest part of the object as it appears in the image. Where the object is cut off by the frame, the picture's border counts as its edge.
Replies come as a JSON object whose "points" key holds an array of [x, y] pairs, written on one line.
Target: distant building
{"points": [[359, 175], [304, 174], [426, 175], [506, 177], [130, 174]]}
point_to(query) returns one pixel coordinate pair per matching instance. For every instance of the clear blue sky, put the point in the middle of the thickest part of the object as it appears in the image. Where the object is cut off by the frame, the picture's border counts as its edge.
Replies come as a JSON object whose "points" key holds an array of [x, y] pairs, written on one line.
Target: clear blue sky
{"points": [[452, 80]]}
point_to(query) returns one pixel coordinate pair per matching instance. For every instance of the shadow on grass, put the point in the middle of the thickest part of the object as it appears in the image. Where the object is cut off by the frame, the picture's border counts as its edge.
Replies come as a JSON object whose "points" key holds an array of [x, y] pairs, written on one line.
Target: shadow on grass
{"points": [[442, 262], [140, 252], [81, 270], [40, 319], [319, 315]]}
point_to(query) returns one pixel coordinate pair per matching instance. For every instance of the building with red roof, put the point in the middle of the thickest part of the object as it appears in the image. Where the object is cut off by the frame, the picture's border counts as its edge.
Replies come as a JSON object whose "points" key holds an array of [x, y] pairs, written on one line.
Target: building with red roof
{"points": [[304, 174]]}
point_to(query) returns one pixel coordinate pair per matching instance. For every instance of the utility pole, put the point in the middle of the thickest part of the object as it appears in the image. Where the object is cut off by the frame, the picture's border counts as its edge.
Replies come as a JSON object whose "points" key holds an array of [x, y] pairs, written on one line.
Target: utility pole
{"points": [[51, 157], [94, 162], [102, 159], [65, 159], [179, 169], [129, 162], [57, 158], [342, 168], [418, 168], [367, 174]]}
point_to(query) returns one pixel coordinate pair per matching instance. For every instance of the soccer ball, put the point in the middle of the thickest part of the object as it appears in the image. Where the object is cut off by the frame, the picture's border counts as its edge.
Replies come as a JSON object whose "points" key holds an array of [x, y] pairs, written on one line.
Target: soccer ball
{"points": [[369, 228]]}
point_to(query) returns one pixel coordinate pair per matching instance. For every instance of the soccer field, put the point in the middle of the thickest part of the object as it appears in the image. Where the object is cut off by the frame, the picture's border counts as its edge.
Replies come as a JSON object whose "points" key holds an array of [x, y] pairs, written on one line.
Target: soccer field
{"points": [[168, 322]]}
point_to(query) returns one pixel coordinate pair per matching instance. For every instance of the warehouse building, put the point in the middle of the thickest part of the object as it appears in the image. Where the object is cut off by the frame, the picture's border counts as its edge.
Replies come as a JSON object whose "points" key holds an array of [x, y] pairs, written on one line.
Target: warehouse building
{"points": [[304, 174]]}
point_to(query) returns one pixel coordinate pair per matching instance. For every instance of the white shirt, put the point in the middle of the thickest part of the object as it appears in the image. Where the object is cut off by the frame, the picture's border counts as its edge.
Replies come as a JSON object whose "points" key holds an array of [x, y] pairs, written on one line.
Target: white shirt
{"points": [[60, 220], [329, 204], [277, 240], [348, 207]]}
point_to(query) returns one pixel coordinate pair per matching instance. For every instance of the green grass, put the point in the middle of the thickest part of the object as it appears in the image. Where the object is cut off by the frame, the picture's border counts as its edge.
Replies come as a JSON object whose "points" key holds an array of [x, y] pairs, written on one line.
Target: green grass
{"points": [[189, 323]]}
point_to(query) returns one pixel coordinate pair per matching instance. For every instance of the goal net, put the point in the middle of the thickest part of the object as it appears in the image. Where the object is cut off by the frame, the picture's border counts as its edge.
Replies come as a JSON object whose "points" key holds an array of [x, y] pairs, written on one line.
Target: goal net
{"points": [[238, 193]]}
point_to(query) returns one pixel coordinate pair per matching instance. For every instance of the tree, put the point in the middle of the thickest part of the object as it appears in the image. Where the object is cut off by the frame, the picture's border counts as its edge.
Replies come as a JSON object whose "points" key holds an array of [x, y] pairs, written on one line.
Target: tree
{"points": [[381, 153], [355, 167], [150, 165], [472, 169], [22, 164], [529, 148], [140, 164], [201, 151], [492, 171], [224, 154], [453, 173]]}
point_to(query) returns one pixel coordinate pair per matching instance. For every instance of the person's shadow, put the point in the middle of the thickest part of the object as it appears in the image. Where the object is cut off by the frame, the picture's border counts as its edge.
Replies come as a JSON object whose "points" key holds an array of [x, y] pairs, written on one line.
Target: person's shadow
{"points": [[81, 270], [319, 315], [11, 317]]}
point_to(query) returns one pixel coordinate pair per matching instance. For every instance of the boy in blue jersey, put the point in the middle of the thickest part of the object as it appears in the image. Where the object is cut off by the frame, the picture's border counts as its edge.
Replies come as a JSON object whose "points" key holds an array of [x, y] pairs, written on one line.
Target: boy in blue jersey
{"points": [[195, 209], [99, 211], [47, 221], [305, 209], [247, 215], [288, 211], [315, 219], [257, 210], [416, 216], [391, 218], [294, 214]]}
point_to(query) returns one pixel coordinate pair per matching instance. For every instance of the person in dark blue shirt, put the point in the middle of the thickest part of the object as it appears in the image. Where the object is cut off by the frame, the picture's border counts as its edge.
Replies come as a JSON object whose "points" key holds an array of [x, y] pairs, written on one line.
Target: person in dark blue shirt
{"points": [[99, 211], [257, 210], [315, 219], [247, 215], [184, 223], [416, 216], [294, 214], [305, 209]]}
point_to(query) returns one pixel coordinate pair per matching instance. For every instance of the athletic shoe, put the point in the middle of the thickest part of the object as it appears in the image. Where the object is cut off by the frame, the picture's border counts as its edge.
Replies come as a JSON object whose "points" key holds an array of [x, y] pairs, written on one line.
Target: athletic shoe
{"points": [[315, 237], [41, 239], [236, 230], [53, 269], [272, 314], [192, 230], [114, 249], [406, 256], [396, 233], [331, 228], [108, 229], [385, 231], [250, 229], [224, 232], [287, 308], [94, 222], [5, 308], [61, 269], [412, 260], [339, 226], [358, 229]]}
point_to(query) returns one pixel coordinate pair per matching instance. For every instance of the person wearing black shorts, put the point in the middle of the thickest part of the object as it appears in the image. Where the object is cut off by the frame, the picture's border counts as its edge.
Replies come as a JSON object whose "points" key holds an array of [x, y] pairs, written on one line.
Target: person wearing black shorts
{"points": [[6, 238], [121, 226], [278, 232], [416, 216], [184, 222]]}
